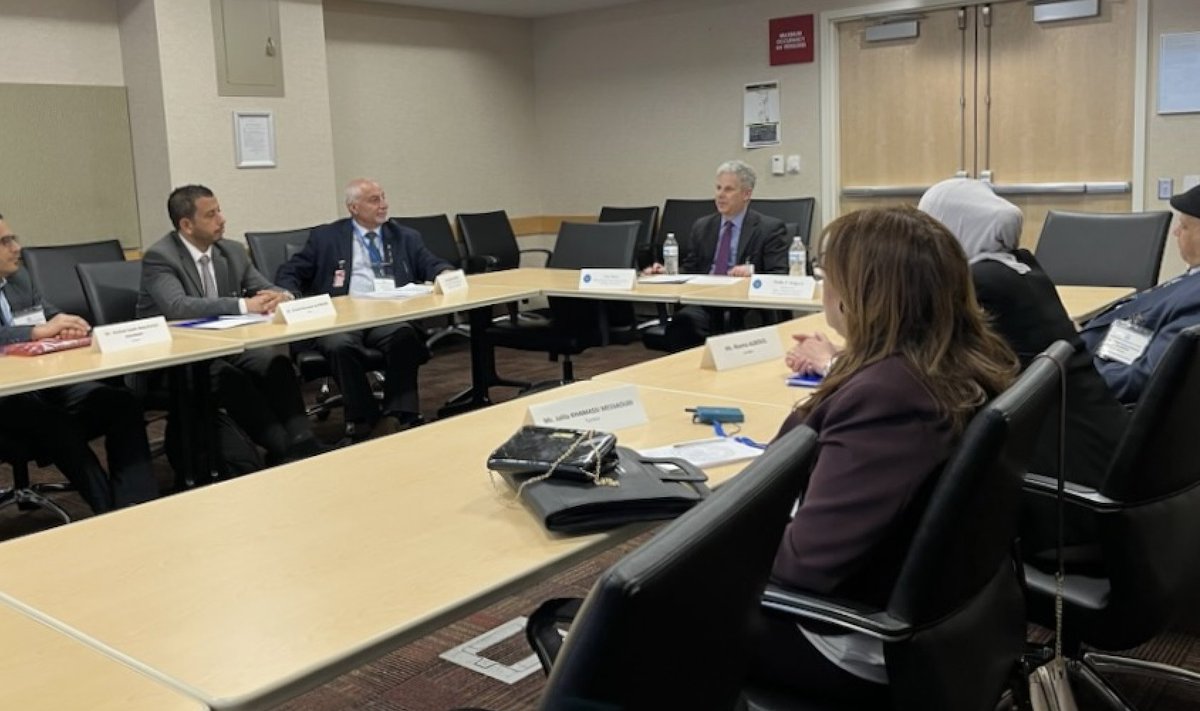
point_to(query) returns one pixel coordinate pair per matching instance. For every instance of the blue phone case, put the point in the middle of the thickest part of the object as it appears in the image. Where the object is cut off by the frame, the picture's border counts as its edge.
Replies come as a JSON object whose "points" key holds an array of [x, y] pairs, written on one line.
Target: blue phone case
{"points": [[805, 380]]}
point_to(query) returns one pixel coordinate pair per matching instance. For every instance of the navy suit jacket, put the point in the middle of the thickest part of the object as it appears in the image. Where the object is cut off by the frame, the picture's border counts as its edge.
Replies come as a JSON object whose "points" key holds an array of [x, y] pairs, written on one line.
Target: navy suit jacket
{"points": [[330, 247], [1166, 310], [763, 242], [22, 295]]}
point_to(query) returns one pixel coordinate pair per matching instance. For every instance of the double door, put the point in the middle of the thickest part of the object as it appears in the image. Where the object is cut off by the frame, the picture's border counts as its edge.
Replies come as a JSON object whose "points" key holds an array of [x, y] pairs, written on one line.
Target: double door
{"points": [[1042, 110]]}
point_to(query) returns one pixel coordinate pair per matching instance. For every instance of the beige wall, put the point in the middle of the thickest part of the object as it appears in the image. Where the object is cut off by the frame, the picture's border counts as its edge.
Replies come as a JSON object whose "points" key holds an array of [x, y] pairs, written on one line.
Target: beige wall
{"points": [[438, 106], [1172, 141], [60, 42], [642, 102], [147, 115]]}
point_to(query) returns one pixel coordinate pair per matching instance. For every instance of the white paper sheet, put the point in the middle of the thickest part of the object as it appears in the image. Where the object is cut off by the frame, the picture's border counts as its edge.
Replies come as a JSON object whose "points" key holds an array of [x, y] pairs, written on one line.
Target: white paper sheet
{"points": [[401, 292], [706, 452], [714, 280], [666, 279], [225, 322]]}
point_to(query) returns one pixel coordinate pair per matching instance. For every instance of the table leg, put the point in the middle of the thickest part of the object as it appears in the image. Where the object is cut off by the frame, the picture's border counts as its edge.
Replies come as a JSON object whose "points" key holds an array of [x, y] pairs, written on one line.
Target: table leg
{"points": [[192, 411]]}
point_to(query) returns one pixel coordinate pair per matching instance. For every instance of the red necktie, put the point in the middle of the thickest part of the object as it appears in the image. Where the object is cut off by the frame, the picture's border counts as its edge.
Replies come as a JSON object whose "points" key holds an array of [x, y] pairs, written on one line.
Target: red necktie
{"points": [[721, 261]]}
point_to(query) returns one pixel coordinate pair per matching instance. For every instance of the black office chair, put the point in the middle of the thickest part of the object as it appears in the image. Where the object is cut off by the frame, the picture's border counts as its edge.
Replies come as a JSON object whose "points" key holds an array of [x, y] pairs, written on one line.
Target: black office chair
{"points": [[1103, 249], [678, 216], [53, 271], [667, 626], [110, 290], [1126, 585], [574, 324], [27, 496], [796, 213], [439, 239], [269, 251], [958, 601], [647, 217], [489, 236]]}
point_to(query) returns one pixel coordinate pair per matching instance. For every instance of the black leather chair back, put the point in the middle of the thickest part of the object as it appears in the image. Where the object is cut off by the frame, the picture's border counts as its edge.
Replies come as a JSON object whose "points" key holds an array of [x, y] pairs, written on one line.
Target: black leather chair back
{"points": [[53, 271], [647, 217], [796, 213], [269, 250], [111, 290], [959, 584], [678, 216], [1103, 249], [666, 627], [490, 234], [437, 236], [598, 245]]}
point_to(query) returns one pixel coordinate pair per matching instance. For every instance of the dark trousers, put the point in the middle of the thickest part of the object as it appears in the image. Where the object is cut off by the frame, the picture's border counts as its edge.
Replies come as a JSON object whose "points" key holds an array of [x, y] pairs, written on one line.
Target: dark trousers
{"points": [[403, 351], [783, 659], [260, 391], [58, 422], [690, 326]]}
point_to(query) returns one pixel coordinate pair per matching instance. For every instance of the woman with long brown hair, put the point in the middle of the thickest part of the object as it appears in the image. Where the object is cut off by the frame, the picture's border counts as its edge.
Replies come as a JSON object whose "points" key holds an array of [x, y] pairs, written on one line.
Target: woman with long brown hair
{"points": [[919, 361]]}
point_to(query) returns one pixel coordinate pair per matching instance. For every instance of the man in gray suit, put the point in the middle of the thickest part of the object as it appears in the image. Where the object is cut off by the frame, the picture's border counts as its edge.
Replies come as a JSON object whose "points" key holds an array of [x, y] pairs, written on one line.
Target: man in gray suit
{"points": [[58, 422], [193, 273]]}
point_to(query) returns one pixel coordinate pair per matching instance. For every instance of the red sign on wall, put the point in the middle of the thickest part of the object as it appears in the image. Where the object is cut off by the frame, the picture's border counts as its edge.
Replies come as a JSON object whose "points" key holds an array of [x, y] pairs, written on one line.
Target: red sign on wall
{"points": [[792, 39]]}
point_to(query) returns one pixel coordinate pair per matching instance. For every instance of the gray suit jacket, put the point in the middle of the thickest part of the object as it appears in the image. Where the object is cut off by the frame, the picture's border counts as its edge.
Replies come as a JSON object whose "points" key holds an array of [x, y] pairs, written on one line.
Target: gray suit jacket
{"points": [[21, 295], [171, 283]]}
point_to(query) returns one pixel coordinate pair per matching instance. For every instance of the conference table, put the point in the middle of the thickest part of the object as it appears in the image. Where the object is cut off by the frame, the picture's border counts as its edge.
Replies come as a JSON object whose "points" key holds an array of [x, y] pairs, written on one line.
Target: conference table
{"points": [[32, 673], [249, 591]]}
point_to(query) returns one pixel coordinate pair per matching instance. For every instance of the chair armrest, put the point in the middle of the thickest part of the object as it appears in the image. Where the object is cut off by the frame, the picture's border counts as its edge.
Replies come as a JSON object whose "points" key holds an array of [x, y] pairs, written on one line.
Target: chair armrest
{"points": [[475, 264], [548, 252], [1074, 494], [840, 613]]}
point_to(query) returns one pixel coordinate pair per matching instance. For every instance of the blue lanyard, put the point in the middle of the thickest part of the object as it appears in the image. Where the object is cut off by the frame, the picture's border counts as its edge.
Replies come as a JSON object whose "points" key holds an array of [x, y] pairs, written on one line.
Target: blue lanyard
{"points": [[720, 432]]}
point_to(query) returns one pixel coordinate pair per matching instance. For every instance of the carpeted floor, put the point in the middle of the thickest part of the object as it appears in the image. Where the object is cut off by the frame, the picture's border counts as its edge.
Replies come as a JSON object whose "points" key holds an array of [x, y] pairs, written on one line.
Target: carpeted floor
{"points": [[414, 678]]}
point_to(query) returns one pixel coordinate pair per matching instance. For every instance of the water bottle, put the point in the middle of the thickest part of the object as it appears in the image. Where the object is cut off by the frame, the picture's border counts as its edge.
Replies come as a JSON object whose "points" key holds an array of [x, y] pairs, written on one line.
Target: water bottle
{"points": [[797, 258], [671, 254]]}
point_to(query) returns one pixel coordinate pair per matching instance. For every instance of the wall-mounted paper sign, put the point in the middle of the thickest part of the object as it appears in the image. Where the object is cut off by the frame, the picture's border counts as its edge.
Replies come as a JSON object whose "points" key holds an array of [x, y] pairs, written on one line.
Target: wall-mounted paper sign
{"points": [[451, 282], [254, 139], [307, 309], [760, 108], [774, 286], [742, 348], [610, 279], [608, 410], [131, 334]]}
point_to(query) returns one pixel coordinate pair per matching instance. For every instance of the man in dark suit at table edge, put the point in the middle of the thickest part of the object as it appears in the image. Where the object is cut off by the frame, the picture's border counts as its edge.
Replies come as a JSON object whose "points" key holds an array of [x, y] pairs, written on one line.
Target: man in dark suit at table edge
{"points": [[737, 237], [193, 273], [345, 257], [58, 422]]}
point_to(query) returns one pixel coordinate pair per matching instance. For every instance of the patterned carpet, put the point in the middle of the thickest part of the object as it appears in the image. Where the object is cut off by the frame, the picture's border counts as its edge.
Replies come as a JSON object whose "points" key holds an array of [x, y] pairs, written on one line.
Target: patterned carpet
{"points": [[414, 678]]}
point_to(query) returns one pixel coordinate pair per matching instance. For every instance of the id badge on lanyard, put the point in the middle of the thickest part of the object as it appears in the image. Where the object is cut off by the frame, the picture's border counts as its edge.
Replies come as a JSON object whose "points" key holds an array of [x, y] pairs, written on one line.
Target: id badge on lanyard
{"points": [[1126, 341]]}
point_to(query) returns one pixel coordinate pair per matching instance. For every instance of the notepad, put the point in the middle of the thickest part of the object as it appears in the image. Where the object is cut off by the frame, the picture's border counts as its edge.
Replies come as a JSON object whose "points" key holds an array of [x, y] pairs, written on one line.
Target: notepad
{"points": [[710, 452], [401, 292]]}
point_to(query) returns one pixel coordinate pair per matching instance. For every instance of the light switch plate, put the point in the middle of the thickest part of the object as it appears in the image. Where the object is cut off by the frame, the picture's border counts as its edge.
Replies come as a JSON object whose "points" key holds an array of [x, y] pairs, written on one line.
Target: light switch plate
{"points": [[1165, 188], [793, 164], [776, 165]]}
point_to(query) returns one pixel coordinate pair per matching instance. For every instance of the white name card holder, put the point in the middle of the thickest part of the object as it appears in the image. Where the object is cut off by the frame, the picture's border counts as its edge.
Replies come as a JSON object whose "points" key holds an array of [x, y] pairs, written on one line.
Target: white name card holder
{"points": [[131, 334], [607, 279], [742, 348], [606, 411], [774, 286], [452, 282], [309, 308]]}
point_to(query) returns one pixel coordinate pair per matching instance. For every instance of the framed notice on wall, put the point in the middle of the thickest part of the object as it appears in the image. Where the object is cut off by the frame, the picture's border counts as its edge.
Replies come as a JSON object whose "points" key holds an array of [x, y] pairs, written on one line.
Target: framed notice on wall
{"points": [[760, 111], [254, 139], [1179, 73]]}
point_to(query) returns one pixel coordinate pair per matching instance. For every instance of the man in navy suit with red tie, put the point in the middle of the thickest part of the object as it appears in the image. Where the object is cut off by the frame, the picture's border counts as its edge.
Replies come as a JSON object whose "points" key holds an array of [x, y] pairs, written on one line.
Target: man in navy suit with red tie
{"points": [[1130, 339], [737, 241], [358, 255]]}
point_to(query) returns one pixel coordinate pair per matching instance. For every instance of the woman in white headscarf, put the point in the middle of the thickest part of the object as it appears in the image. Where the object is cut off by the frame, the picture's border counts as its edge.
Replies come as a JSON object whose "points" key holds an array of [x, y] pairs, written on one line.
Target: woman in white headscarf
{"points": [[1025, 309]]}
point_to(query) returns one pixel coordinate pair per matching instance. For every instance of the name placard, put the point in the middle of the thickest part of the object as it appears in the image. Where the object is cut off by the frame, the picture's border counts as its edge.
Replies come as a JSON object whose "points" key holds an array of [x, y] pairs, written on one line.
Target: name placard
{"points": [[608, 410], [309, 308], [609, 279], [131, 334], [451, 282], [775, 286], [734, 350]]}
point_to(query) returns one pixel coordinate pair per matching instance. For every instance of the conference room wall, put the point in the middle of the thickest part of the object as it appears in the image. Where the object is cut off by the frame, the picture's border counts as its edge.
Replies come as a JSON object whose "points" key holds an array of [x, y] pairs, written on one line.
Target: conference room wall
{"points": [[437, 105], [60, 42], [1172, 140], [641, 102]]}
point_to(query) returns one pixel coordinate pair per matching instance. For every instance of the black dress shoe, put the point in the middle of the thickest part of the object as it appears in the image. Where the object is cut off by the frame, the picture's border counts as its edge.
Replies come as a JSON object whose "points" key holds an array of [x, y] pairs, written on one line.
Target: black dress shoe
{"points": [[357, 432]]}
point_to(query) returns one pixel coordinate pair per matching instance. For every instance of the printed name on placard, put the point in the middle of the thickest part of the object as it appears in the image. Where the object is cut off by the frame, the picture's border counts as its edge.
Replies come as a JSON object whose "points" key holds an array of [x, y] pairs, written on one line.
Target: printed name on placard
{"points": [[734, 350]]}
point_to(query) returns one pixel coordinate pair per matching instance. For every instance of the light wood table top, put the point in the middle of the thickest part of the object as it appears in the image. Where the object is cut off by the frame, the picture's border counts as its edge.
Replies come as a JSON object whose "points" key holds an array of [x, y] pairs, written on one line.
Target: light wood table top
{"points": [[735, 296], [43, 668], [355, 313], [253, 590], [761, 383], [20, 374], [565, 282], [1083, 302]]}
